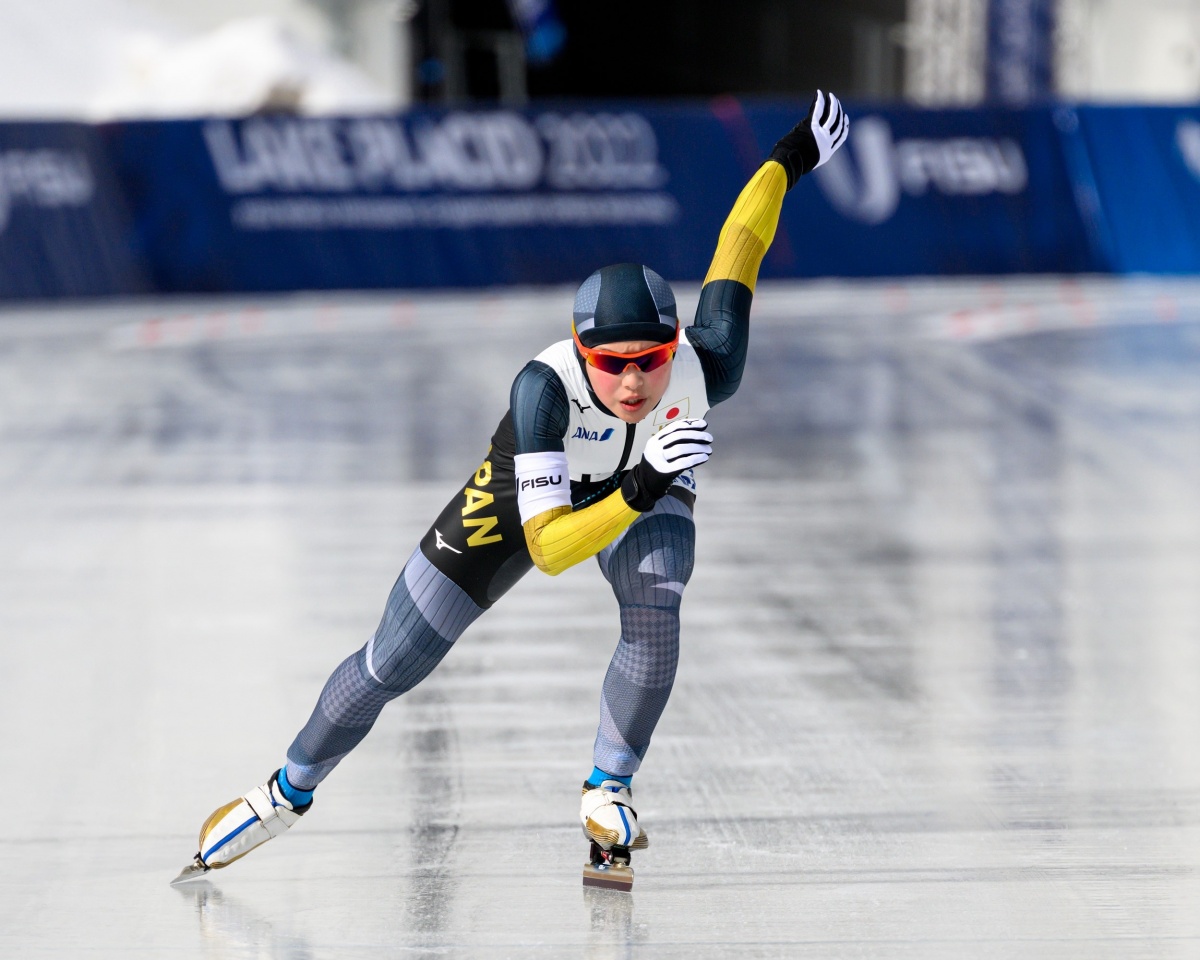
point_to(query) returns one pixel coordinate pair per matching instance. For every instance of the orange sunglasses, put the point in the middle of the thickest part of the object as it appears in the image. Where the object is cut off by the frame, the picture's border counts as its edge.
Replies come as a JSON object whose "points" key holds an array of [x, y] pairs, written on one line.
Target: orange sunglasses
{"points": [[617, 363]]}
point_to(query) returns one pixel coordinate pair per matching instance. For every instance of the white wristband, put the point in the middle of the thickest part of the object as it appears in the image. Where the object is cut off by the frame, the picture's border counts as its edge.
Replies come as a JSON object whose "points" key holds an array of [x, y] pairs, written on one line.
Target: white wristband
{"points": [[543, 482]]}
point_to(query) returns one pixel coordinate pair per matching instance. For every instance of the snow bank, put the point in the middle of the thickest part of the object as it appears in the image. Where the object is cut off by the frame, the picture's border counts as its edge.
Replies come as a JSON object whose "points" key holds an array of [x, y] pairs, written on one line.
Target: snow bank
{"points": [[243, 67], [54, 54], [105, 59]]}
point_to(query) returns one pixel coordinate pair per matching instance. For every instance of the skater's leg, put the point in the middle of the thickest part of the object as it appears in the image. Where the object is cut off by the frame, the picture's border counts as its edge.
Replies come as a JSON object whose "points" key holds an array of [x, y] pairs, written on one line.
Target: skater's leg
{"points": [[648, 567], [471, 556], [425, 614], [467, 560]]}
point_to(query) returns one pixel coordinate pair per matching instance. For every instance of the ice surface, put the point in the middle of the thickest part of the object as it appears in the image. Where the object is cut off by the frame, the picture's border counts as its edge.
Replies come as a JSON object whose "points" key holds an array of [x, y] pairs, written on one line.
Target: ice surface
{"points": [[940, 686]]}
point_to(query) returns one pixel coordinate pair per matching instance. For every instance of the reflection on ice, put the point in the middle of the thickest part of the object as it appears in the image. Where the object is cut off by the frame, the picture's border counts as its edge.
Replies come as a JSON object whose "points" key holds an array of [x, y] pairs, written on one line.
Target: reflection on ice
{"points": [[611, 935], [228, 929]]}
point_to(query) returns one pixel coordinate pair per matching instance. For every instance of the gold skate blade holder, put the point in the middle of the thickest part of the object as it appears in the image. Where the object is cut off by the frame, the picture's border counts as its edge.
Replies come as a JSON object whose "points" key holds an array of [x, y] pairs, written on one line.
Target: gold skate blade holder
{"points": [[610, 875]]}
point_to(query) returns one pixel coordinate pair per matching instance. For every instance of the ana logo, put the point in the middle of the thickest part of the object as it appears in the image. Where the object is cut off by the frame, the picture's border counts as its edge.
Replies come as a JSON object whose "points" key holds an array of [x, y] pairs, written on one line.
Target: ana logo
{"points": [[1187, 136], [670, 412], [954, 166], [582, 434], [534, 482]]}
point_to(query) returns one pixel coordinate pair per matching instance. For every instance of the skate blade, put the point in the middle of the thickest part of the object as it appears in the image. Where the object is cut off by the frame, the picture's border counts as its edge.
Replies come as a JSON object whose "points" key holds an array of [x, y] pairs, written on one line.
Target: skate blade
{"points": [[608, 875], [193, 871]]}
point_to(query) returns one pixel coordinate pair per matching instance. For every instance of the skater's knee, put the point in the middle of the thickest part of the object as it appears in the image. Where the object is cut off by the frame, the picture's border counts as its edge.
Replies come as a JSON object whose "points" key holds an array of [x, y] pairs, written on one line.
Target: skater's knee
{"points": [[426, 613], [654, 576], [654, 563], [401, 655]]}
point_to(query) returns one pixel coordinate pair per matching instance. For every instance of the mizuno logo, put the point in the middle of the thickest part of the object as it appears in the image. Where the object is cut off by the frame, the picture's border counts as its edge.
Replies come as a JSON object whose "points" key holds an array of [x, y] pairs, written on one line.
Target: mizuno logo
{"points": [[534, 482], [581, 434], [580, 405], [441, 543]]}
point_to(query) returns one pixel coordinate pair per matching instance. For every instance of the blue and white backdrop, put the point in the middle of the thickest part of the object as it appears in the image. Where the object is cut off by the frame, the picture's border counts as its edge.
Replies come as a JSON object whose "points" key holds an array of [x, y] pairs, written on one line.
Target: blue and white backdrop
{"points": [[480, 198]]}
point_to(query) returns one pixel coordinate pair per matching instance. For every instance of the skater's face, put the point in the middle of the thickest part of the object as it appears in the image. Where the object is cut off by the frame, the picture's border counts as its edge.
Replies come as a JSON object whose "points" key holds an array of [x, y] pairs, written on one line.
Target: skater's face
{"points": [[632, 394]]}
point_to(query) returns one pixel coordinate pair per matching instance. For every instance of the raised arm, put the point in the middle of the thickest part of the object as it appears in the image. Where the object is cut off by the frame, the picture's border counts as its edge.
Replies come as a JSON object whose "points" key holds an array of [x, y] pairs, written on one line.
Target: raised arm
{"points": [[721, 330]]}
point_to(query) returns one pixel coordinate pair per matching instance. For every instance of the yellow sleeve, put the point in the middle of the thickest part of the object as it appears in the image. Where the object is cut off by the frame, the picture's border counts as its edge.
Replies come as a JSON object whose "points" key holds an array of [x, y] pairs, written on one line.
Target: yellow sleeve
{"points": [[750, 227], [559, 537]]}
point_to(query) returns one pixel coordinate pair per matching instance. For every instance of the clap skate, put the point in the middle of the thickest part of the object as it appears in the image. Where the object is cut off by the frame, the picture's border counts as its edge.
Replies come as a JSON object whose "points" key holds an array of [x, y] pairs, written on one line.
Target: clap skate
{"points": [[610, 823], [236, 828]]}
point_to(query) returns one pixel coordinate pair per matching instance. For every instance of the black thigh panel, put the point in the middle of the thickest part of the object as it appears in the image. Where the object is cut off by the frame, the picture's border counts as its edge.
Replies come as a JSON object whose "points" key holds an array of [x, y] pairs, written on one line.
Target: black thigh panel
{"points": [[477, 540]]}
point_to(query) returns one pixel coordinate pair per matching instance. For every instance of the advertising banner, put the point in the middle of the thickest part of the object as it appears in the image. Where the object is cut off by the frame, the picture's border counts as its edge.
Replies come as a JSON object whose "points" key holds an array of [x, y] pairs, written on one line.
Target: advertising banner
{"points": [[1143, 169], [459, 198], [933, 192], [470, 198], [64, 229]]}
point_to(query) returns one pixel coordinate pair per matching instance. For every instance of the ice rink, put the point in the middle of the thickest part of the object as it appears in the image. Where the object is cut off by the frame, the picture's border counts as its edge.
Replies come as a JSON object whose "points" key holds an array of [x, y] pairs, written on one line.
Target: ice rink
{"points": [[940, 686]]}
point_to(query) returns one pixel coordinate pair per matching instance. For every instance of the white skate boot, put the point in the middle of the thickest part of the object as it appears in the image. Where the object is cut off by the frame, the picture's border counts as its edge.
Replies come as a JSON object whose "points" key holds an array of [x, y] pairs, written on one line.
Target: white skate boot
{"points": [[235, 829], [610, 823]]}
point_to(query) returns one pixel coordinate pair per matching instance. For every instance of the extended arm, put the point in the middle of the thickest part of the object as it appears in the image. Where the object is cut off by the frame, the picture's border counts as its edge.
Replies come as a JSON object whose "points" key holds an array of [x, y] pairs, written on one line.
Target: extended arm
{"points": [[721, 330]]}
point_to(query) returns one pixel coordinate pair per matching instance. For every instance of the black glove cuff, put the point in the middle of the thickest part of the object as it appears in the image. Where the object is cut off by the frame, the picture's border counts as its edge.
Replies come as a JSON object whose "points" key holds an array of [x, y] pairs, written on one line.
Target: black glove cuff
{"points": [[797, 153], [641, 493]]}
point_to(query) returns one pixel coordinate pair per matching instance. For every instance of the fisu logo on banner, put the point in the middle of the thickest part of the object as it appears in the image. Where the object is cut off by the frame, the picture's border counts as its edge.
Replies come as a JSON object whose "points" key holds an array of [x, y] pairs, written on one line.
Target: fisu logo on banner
{"points": [[45, 178], [866, 181]]}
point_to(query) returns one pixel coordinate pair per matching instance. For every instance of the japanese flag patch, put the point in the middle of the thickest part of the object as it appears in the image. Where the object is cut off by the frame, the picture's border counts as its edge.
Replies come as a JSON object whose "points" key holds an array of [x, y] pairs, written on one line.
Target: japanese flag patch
{"points": [[670, 412]]}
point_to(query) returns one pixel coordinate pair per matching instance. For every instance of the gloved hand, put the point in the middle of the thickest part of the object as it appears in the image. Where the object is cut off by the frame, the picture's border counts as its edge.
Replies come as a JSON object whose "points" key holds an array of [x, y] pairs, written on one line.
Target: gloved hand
{"points": [[675, 448], [814, 139]]}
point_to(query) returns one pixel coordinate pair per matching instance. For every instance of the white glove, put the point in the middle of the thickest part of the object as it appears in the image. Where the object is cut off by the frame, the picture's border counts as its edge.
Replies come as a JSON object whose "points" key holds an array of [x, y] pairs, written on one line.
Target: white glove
{"points": [[677, 447], [814, 139]]}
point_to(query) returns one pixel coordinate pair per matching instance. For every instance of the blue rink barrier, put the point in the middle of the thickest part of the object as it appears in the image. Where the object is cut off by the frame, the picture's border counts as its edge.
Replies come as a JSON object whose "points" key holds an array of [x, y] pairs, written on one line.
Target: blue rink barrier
{"points": [[65, 229], [1139, 170], [501, 197], [490, 197]]}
